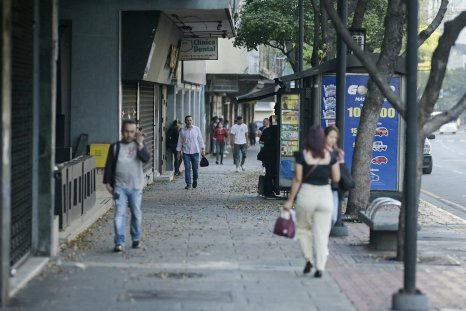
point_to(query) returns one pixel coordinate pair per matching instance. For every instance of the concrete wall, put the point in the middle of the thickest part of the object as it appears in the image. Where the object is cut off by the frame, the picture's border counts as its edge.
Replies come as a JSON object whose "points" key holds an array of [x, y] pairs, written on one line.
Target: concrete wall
{"points": [[95, 77], [167, 34], [95, 69], [195, 71], [230, 59]]}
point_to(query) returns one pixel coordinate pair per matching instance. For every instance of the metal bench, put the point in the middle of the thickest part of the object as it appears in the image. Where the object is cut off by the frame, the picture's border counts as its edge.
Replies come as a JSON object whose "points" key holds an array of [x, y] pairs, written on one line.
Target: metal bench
{"points": [[382, 217]]}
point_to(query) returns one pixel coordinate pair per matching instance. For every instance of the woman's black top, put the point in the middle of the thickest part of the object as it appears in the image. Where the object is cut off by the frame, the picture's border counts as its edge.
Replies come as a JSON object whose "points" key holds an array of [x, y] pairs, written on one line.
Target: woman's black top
{"points": [[320, 175]]}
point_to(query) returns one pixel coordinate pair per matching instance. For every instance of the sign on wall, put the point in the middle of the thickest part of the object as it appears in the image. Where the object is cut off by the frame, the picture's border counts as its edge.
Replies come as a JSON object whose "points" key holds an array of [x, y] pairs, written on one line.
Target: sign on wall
{"points": [[289, 137], [384, 161], [199, 49]]}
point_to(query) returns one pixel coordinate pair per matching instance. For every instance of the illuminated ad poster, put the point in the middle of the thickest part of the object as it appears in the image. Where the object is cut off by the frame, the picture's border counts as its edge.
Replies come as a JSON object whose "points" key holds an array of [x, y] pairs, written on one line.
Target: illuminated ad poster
{"points": [[289, 136], [384, 162]]}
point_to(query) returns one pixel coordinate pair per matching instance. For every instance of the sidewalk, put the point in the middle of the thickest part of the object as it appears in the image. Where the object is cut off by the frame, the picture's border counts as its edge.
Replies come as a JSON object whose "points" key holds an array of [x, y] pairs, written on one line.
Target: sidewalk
{"points": [[212, 248]]}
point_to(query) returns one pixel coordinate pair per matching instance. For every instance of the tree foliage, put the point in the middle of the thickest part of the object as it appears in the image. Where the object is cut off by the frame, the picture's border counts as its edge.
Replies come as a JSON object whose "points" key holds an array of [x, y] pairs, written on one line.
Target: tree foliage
{"points": [[264, 22], [373, 19]]}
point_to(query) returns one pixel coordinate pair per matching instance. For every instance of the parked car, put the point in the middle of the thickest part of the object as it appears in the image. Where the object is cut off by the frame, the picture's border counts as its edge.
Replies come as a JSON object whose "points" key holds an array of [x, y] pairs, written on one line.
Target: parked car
{"points": [[427, 162], [450, 127]]}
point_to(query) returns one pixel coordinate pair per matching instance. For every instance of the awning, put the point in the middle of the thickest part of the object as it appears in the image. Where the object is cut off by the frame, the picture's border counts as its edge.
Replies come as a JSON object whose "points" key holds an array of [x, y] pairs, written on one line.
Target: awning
{"points": [[261, 91]]}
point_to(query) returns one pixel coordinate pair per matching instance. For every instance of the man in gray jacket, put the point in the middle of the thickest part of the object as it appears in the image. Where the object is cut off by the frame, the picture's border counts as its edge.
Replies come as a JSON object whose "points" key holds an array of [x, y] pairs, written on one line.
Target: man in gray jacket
{"points": [[124, 179]]}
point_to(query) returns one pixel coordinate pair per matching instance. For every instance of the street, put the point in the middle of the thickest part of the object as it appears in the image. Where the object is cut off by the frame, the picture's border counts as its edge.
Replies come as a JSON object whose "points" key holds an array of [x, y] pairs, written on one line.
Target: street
{"points": [[444, 187]]}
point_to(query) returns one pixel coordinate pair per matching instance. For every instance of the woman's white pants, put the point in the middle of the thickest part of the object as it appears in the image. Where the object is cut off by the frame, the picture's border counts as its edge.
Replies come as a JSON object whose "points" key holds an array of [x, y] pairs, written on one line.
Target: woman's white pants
{"points": [[314, 205]]}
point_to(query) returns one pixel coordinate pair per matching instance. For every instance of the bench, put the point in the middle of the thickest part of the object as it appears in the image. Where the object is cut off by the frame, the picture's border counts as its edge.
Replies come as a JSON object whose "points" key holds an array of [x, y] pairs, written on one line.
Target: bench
{"points": [[382, 217]]}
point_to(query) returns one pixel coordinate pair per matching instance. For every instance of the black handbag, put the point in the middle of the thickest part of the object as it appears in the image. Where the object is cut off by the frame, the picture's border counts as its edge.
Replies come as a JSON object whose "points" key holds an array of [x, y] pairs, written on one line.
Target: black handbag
{"points": [[346, 182], [204, 162], [261, 155]]}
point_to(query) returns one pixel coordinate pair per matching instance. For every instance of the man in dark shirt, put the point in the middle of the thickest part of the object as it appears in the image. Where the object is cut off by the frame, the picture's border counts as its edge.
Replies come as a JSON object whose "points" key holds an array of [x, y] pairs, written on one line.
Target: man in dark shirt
{"points": [[252, 132], [269, 138]]}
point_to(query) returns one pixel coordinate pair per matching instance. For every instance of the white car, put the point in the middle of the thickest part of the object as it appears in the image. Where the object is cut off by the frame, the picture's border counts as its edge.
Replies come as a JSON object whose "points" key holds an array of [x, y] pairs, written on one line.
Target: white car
{"points": [[427, 163], [450, 127]]}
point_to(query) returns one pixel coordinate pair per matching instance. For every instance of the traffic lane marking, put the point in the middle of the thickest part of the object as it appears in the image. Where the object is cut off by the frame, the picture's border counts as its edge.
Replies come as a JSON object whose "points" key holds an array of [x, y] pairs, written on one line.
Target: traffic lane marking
{"points": [[448, 202]]}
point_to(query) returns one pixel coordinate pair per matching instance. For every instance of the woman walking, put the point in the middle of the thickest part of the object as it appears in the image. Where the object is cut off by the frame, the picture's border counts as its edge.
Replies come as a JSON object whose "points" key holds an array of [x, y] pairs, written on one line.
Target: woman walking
{"points": [[171, 142], [220, 136], [314, 167], [331, 143]]}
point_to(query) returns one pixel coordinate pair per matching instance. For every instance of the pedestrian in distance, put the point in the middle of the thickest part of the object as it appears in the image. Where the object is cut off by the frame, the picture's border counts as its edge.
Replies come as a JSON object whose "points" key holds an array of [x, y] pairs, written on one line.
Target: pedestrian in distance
{"points": [[220, 136], [269, 139], [239, 140], [266, 124], [226, 125], [314, 167], [172, 141], [331, 144], [124, 179], [191, 144], [213, 125], [252, 130]]}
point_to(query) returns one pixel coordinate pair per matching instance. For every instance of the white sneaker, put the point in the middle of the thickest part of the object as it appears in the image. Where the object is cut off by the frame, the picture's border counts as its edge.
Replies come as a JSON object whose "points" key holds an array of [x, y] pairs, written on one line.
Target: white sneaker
{"points": [[237, 170], [243, 168]]}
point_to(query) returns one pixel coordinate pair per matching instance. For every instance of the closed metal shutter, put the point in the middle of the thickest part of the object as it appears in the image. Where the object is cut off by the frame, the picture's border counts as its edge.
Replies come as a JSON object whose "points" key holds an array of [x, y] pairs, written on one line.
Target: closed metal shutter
{"points": [[22, 97], [146, 120], [130, 100]]}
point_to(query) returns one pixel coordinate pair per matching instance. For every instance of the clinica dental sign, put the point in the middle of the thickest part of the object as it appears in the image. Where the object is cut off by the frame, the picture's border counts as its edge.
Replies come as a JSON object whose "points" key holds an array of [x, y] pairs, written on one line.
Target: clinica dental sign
{"points": [[199, 49]]}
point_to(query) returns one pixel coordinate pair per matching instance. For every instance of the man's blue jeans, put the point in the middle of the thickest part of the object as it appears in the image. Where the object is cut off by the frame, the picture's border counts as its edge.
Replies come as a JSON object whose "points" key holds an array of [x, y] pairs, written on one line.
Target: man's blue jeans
{"points": [[123, 198], [236, 154], [190, 161]]}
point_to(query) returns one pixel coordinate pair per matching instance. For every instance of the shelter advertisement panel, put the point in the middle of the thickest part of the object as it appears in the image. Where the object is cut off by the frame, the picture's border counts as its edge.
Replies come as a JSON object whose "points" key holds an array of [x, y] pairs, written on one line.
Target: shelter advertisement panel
{"points": [[384, 163], [289, 136], [199, 49]]}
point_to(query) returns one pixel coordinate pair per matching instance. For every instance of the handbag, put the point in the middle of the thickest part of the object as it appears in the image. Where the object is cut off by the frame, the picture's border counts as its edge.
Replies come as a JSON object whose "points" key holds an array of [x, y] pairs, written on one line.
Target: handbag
{"points": [[285, 225], [261, 155], [346, 182], [204, 162]]}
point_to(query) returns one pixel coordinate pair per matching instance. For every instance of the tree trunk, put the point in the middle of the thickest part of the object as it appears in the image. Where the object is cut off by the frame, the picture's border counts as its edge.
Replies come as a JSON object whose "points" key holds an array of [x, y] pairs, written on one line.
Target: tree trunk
{"points": [[328, 40], [359, 13], [316, 45], [394, 21], [362, 156]]}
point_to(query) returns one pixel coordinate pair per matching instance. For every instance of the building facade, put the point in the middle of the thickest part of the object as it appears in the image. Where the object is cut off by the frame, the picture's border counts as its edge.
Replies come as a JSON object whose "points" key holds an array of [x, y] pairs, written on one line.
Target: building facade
{"points": [[72, 71]]}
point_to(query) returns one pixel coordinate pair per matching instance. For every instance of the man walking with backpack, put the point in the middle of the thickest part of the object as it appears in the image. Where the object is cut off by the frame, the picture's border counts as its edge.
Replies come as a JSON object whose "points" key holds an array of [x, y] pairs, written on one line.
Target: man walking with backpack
{"points": [[124, 179]]}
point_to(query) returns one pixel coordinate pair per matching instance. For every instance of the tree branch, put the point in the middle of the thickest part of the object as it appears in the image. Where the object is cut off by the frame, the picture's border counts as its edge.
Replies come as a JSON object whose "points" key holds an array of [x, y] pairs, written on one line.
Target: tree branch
{"points": [[426, 33], [359, 13], [437, 121], [439, 63], [278, 46], [317, 42], [326, 38], [366, 61]]}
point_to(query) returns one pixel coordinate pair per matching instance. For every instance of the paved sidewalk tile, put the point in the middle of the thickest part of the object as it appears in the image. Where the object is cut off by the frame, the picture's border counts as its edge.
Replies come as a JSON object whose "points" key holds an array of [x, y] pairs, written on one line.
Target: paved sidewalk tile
{"points": [[212, 248]]}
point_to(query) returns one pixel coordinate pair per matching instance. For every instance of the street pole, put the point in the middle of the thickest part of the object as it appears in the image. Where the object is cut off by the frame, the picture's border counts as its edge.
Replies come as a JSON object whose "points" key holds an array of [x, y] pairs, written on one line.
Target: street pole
{"points": [[340, 229], [5, 149], [301, 40], [409, 298]]}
